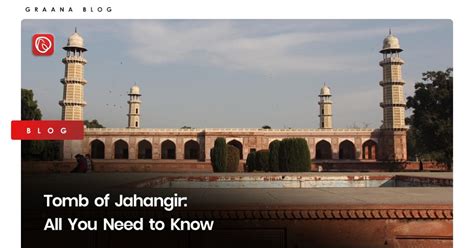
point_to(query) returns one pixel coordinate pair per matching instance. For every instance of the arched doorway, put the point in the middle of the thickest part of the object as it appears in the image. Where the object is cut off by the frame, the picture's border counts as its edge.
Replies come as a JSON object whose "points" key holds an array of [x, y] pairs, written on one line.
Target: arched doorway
{"points": [[191, 150], [144, 149], [168, 150], [346, 150], [97, 149], [237, 144], [121, 149], [323, 150], [369, 150]]}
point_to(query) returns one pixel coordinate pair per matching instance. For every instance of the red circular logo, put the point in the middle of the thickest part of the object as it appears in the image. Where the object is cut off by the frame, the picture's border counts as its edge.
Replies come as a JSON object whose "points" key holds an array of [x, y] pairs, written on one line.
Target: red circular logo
{"points": [[43, 44]]}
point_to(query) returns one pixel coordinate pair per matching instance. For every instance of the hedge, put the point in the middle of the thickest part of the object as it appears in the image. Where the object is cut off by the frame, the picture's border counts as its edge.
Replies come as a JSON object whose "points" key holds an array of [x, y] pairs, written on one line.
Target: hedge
{"points": [[261, 160], [219, 155], [273, 156], [294, 155], [250, 162]]}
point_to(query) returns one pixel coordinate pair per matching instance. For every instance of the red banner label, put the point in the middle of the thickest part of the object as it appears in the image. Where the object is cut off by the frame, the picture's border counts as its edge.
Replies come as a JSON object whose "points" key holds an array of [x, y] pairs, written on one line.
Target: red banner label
{"points": [[47, 130]]}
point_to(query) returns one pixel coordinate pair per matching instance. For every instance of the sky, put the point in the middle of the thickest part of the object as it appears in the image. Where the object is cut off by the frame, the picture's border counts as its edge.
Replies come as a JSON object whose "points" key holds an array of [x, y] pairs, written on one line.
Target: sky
{"points": [[233, 73]]}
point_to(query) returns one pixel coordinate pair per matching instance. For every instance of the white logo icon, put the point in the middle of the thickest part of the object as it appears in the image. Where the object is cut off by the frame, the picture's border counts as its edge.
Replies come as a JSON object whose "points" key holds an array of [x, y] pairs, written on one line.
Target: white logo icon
{"points": [[43, 44]]}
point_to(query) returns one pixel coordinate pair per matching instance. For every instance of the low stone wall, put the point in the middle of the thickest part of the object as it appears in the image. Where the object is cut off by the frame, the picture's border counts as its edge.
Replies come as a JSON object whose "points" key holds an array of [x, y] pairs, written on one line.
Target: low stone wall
{"points": [[355, 166], [47, 166], [376, 166], [198, 166], [291, 180], [427, 166], [416, 181], [152, 166], [263, 180], [119, 166]]}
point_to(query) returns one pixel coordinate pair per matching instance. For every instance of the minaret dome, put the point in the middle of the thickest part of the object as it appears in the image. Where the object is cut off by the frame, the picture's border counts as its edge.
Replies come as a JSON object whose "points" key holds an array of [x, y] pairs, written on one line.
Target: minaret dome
{"points": [[135, 90], [391, 44], [75, 41], [134, 107], [325, 108], [325, 91]]}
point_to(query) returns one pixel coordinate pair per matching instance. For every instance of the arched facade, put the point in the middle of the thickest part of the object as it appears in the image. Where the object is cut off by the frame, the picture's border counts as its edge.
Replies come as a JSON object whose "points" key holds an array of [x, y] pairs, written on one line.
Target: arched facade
{"points": [[191, 150], [120, 149], [347, 150], [369, 150], [144, 149], [168, 150], [390, 138], [323, 150], [97, 149], [179, 144], [238, 145]]}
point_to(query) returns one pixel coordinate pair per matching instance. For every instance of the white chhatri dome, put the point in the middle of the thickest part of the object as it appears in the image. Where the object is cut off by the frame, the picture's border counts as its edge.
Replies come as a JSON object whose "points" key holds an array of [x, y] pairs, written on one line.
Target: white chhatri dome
{"points": [[391, 43], [75, 41], [325, 91], [135, 90]]}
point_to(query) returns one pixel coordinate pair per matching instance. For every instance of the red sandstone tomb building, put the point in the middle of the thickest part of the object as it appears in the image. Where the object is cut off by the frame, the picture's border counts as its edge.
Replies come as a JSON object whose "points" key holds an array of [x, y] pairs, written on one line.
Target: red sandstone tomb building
{"points": [[388, 143]]}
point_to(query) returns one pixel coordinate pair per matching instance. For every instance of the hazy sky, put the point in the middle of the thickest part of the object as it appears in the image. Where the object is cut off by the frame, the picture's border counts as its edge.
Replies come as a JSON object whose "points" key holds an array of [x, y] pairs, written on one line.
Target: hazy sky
{"points": [[233, 73]]}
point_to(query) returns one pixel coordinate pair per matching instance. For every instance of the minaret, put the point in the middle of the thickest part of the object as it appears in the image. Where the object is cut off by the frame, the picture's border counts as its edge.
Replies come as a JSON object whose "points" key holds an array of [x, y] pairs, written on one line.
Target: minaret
{"points": [[134, 107], [393, 130], [393, 97], [73, 94], [325, 108]]}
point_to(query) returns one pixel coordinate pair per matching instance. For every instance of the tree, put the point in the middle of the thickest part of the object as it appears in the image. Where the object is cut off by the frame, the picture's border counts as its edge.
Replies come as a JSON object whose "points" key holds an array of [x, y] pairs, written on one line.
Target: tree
{"points": [[250, 162], [35, 149], [293, 155], [219, 155], [261, 160], [30, 149], [273, 156], [412, 152], [29, 106], [51, 150], [432, 118], [93, 124]]}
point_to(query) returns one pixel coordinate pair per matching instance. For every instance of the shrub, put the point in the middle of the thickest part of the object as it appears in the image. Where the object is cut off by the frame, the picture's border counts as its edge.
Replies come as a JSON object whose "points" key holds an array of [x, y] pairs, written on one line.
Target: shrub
{"points": [[273, 156], [250, 162], [213, 158], [283, 155], [233, 158], [294, 155], [219, 155], [261, 160]]}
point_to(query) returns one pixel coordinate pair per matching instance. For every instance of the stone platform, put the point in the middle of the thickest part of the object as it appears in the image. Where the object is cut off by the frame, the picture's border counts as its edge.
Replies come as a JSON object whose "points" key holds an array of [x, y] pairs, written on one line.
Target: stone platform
{"points": [[256, 217]]}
